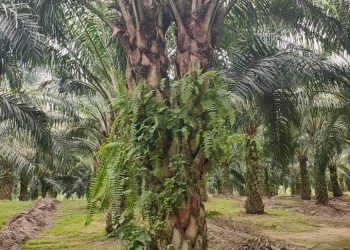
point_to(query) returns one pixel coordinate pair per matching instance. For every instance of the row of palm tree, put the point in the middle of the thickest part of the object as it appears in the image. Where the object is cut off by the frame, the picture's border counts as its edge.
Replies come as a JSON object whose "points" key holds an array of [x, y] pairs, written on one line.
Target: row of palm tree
{"points": [[278, 60]]}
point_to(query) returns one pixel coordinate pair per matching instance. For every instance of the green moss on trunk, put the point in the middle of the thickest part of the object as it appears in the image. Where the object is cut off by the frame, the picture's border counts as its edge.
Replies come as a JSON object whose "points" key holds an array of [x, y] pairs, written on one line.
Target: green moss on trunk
{"points": [[253, 203], [305, 188], [336, 189], [321, 191]]}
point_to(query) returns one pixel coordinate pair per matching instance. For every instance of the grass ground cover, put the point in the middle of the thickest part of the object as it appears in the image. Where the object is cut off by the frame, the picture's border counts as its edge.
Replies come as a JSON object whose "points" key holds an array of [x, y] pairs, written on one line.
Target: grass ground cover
{"points": [[283, 224], [69, 231], [10, 208]]}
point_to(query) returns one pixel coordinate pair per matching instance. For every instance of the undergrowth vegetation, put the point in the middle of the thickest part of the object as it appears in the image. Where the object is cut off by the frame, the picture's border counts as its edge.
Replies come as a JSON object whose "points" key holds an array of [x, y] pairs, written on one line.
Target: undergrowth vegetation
{"points": [[146, 107]]}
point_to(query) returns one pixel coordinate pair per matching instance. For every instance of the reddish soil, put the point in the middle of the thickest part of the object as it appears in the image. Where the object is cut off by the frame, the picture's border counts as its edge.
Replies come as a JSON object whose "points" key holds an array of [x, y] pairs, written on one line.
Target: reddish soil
{"points": [[25, 226]]}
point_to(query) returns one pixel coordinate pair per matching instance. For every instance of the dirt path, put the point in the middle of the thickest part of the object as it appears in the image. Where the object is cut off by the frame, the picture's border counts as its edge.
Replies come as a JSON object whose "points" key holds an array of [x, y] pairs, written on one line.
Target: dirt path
{"points": [[25, 226], [335, 210], [288, 223], [226, 234]]}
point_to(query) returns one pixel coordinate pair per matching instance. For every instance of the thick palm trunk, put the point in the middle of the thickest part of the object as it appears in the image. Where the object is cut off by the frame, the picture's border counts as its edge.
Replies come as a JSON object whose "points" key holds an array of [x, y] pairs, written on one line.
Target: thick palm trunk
{"points": [[188, 228], [321, 191], [336, 189], [305, 188], [6, 187], [24, 185], [253, 203], [34, 190], [141, 31]]}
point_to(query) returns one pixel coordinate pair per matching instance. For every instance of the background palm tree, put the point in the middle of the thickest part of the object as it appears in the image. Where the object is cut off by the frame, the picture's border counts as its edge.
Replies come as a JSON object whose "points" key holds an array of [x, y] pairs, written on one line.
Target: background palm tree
{"points": [[148, 117]]}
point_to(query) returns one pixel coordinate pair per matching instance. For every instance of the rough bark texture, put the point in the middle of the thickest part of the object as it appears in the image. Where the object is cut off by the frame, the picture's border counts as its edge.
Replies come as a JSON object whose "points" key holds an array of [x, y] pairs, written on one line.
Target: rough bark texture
{"points": [[336, 189], [267, 183], [6, 186], [321, 191], [188, 227], [24, 185], [253, 203], [141, 31], [305, 188]]}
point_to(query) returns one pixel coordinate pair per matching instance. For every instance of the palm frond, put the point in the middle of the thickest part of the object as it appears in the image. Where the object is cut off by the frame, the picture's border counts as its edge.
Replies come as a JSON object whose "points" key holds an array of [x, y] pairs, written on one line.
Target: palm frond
{"points": [[24, 116], [19, 34]]}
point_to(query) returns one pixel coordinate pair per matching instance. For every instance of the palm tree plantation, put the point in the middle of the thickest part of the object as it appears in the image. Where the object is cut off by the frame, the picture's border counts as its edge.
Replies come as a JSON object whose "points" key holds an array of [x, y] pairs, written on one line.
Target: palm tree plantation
{"points": [[175, 124]]}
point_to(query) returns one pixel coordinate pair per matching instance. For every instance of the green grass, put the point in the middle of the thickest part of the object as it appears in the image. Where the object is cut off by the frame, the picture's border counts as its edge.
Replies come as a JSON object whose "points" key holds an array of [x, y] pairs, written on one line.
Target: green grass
{"points": [[278, 223], [279, 220], [283, 221], [69, 232], [8, 209], [224, 206]]}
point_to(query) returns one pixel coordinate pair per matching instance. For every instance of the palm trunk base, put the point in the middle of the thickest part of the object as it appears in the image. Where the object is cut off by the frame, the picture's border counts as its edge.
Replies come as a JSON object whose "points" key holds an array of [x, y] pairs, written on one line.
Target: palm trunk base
{"points": [[23, 192], [254, 205], [321, 191], [254, 179], [187, 227], [305, 188], [6, 187], [336, 189]]}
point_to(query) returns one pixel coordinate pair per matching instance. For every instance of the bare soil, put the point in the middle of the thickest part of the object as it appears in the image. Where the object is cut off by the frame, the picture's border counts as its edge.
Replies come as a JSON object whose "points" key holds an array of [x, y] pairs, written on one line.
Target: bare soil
{"points": [[25, 226]]}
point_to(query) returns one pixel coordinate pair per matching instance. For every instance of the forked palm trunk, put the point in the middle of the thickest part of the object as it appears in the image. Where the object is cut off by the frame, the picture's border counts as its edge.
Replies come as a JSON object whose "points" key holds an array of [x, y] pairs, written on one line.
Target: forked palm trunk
{"points": [[253, 203], [321, 191], [305, 188], [336, 189], [141, 31]]}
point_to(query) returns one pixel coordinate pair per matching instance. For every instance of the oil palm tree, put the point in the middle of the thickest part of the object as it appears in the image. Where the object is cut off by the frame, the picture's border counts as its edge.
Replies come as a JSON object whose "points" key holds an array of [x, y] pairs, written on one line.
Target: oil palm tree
{"points": [[141, 28]]}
